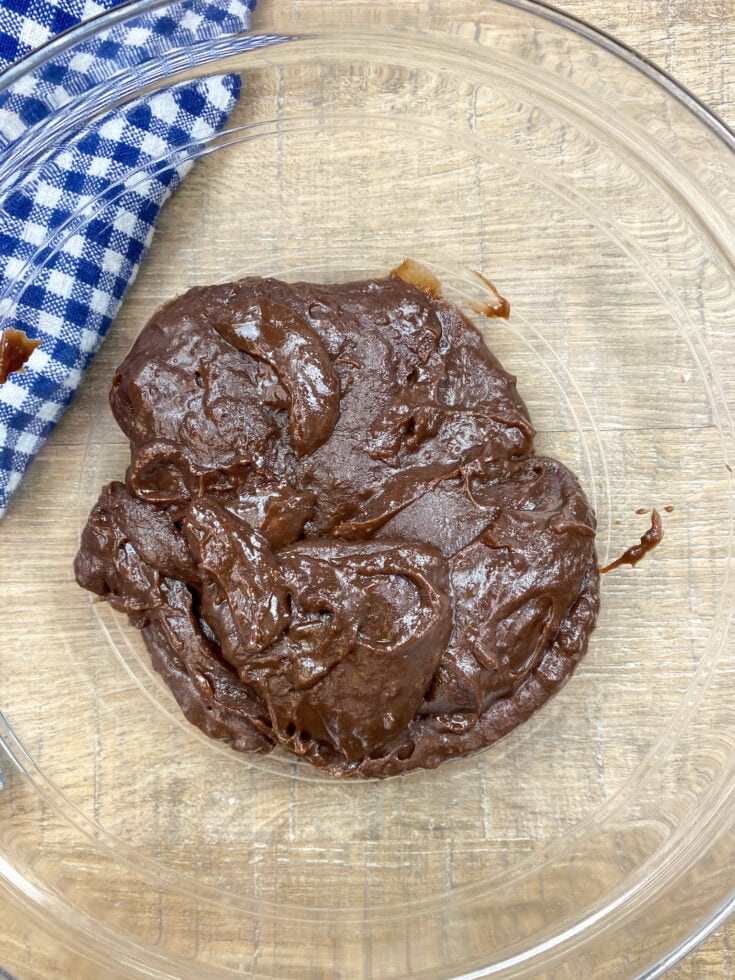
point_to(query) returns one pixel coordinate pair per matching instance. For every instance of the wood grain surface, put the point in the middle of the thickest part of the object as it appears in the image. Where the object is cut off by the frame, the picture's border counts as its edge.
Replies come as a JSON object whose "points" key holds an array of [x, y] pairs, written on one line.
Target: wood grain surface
{"points": [[695, 41]]}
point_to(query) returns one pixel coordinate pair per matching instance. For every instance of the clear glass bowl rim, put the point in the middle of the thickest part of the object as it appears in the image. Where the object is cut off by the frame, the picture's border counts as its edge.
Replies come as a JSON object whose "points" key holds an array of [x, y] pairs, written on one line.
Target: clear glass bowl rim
{"points": [[130, 9]]}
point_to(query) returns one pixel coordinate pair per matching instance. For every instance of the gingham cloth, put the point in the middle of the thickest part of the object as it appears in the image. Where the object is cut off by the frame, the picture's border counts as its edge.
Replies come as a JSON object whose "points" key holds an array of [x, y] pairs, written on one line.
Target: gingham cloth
{"points": [[70, 304]]}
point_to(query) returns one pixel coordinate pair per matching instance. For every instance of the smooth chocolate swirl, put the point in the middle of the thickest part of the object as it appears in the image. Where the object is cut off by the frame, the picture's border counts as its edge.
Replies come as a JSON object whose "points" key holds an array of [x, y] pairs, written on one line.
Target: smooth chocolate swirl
{"points": [[333, 532]]}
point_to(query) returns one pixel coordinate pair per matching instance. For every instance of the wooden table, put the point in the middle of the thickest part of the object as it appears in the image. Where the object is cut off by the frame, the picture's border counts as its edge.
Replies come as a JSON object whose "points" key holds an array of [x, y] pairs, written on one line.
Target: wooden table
{"points": [[695, 41]]}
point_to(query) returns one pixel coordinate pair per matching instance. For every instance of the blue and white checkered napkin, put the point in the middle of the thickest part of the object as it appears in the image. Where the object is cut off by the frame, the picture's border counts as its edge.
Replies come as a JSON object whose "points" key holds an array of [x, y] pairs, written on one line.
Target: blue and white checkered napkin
{"points": [[73, 299]]}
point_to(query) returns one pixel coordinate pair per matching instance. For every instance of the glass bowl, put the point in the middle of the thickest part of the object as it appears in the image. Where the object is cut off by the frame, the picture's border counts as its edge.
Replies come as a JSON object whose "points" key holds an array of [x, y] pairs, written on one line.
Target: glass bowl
{"points": [[596, 840]]}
